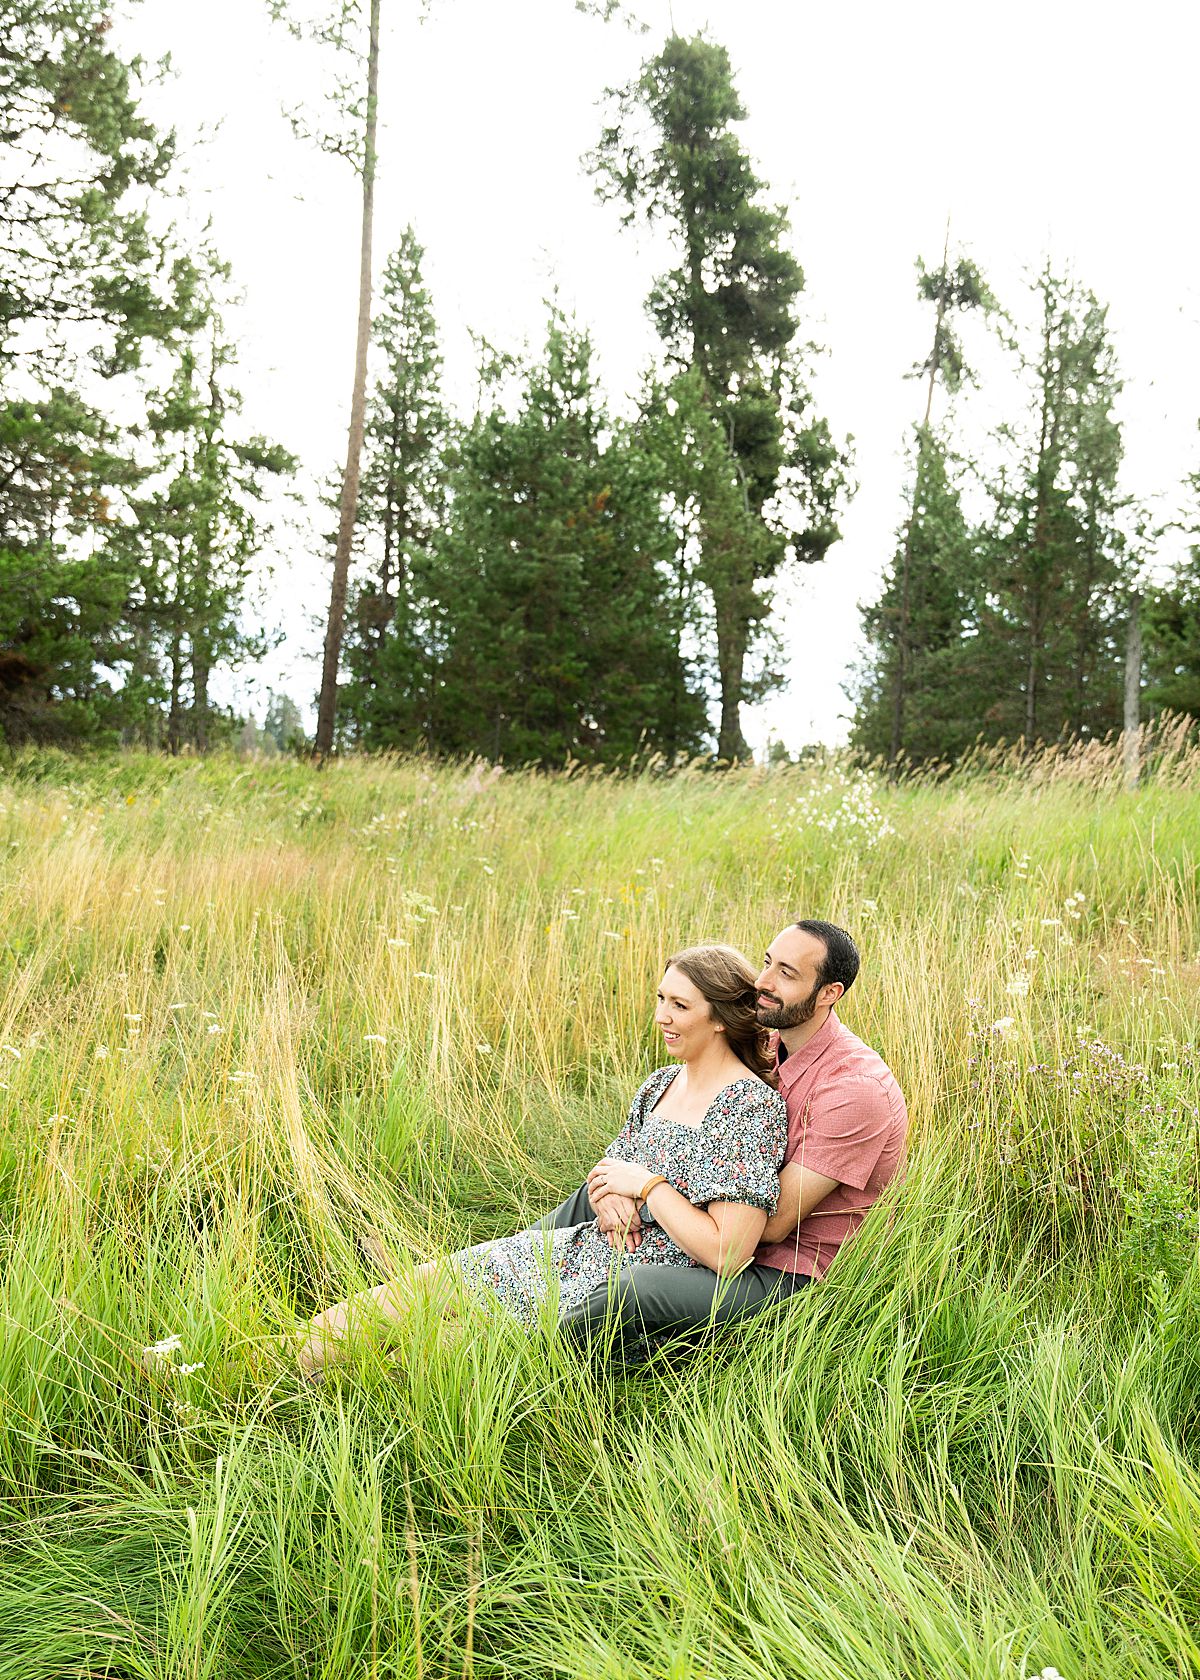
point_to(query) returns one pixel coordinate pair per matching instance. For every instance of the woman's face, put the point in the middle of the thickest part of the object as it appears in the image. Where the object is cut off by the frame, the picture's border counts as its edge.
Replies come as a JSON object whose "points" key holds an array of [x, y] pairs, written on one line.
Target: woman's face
{"points": [[684, 1016]]}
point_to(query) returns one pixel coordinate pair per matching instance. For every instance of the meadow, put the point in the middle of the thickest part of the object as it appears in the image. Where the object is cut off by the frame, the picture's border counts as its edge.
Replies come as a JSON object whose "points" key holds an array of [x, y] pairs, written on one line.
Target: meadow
{"points": [[268, 1033]]}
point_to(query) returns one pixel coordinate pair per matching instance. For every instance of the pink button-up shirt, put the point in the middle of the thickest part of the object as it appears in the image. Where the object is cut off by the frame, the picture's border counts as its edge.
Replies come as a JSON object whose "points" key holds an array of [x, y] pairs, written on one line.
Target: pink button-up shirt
{"points": [[847, 1121]]}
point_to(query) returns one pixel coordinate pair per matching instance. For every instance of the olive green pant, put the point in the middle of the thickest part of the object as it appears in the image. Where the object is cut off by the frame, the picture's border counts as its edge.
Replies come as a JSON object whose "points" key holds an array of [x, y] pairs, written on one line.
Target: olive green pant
{"points": [[642, 1306]]}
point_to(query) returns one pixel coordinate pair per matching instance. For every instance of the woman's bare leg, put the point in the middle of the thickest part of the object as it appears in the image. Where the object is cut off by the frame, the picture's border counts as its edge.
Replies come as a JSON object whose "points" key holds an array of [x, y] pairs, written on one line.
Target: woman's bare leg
{"points": [[333, 1333]]}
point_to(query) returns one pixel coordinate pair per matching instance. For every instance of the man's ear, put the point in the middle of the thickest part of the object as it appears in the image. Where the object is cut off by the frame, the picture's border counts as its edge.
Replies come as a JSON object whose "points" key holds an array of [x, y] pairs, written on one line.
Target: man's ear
{"points": [[831, 993]]}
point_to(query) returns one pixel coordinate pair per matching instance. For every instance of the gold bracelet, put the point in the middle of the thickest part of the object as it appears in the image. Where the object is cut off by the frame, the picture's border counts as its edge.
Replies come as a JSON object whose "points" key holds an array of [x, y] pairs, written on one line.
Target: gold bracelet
{"points": [[659, 1178]]}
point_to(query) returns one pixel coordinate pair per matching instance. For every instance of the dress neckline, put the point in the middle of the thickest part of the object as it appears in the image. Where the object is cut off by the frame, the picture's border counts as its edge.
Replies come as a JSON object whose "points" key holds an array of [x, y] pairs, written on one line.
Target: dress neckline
{"points": [[683, 1124]]}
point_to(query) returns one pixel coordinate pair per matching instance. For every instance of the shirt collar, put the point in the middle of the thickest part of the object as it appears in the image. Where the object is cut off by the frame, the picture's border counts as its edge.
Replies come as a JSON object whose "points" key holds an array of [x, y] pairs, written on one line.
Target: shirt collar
{"points": [[800, 1060]]}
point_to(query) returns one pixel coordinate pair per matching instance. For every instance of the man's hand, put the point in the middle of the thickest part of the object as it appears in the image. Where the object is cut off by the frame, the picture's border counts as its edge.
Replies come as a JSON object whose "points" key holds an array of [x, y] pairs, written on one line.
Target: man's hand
{"points": [[617, 1218]]}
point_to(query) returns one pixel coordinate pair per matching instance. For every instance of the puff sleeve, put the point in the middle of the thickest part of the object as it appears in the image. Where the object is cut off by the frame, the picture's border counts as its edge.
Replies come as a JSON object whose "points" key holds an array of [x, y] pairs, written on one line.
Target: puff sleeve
{"points": [[744, 1148]]}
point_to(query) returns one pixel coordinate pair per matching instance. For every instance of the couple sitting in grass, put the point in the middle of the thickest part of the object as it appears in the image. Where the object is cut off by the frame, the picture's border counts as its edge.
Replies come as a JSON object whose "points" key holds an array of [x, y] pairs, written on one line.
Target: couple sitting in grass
{"points": [[742, 1169]]}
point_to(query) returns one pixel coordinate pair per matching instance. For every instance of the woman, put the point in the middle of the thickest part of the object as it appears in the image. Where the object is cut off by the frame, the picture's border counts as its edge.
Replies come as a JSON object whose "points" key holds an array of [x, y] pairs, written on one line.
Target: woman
{"points": [[699, 1155]]}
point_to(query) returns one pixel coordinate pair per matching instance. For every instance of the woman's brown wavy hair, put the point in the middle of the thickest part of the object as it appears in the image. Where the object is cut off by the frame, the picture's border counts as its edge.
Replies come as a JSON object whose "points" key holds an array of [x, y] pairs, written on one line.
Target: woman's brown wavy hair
{"points": [[726, 981]]}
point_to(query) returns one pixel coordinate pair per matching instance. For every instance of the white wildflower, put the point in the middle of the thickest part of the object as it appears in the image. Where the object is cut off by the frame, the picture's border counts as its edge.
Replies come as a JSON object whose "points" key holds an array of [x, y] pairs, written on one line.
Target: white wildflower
{"points": [[484, 1049], [422, 974], [1018, 986], [100, 1052], [374, 1038], [1003, 1026], [163, 1350]]}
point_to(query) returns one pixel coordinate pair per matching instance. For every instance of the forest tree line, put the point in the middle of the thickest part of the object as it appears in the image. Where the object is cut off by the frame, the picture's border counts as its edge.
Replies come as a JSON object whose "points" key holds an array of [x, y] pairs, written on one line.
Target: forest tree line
{"points": [[546, 579]]}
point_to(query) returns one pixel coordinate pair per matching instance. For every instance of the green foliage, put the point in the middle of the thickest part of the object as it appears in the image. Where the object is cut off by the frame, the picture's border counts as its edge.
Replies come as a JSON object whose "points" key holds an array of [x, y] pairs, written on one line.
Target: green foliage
{"points": [[79, 156], [1171, 619], [554, 632], [1011, 626], [727, 313], [1056, 563], [919, 635], [283, 723], [955, 289], [402, 499], [199, 526], [1171, 615], [63, 586]]}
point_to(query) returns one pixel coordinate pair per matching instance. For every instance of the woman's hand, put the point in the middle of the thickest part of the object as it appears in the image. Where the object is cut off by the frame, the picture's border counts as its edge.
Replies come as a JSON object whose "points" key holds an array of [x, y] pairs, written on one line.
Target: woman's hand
{"points": [[616, 1178]]}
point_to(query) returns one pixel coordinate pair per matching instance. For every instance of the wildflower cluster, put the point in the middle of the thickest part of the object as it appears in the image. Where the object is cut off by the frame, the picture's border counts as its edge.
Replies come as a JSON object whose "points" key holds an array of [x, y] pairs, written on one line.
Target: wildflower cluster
{"points": [[840, 804], [385, 823], [159, 1359]]}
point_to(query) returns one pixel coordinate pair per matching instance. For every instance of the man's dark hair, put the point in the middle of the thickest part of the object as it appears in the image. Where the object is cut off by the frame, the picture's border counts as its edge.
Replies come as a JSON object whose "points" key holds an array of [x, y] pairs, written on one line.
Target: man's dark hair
{"points": [[841, 954]]}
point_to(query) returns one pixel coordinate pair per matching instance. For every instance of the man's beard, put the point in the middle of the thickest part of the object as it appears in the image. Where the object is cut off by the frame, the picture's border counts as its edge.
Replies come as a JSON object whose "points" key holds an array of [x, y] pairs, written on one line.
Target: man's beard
{"points": [[785, 1015]]}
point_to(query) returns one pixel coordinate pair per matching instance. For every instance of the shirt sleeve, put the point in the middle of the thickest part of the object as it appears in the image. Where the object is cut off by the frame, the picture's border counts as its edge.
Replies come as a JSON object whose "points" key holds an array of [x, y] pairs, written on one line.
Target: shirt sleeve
{"points": [[846, 1132], [746, 1147]]}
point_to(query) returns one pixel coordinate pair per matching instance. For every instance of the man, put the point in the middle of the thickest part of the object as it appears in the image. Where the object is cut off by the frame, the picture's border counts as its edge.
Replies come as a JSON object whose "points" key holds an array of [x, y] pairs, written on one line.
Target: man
{"points": [[846, 1130]]}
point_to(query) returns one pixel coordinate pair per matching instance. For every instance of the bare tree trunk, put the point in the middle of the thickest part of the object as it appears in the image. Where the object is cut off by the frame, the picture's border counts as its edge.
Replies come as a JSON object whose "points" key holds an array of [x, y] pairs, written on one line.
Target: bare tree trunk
{"points": [[348, 508], [1131, 740], [200, 670], [175, 714], [733, 634]]}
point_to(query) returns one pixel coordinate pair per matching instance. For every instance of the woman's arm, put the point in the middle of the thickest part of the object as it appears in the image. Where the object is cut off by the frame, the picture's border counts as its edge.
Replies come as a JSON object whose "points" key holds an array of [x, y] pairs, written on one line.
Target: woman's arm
{"points": [[722, 1236]]}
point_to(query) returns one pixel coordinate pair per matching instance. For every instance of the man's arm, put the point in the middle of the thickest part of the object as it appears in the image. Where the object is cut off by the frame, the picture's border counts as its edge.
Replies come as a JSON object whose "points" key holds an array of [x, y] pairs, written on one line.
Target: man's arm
{"points": [[800, 1191]]}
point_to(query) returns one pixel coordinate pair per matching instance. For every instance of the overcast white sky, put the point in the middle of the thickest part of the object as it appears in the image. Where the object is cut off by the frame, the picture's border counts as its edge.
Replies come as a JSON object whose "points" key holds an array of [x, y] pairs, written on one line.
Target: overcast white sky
{"points": [[1041, 128]]}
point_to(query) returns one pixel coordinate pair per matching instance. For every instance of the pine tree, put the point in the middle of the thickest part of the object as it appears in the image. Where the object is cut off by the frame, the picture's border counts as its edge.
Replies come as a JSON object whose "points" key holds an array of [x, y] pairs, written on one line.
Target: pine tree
{"points": [[401, 501], [78, 158], [553, 634], [1171, 617], [916, 629], [282, 722], [200, 525], [727, 311], [85, 287], [63, 584], [1054, 550]]}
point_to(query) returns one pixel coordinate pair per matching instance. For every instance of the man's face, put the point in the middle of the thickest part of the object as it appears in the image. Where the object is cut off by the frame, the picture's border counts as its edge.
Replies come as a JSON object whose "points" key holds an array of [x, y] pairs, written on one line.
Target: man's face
{"points": [[787, 986]]}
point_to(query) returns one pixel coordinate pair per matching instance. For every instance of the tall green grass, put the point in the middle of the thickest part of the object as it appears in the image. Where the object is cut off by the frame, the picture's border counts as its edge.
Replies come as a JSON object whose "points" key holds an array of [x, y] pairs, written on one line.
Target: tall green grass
{"points": [[268, 1034]]}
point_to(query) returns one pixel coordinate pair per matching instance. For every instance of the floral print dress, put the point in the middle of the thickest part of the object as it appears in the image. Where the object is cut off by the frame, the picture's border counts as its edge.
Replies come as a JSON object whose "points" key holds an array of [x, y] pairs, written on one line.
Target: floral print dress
{"points": [[734, 1155]]}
